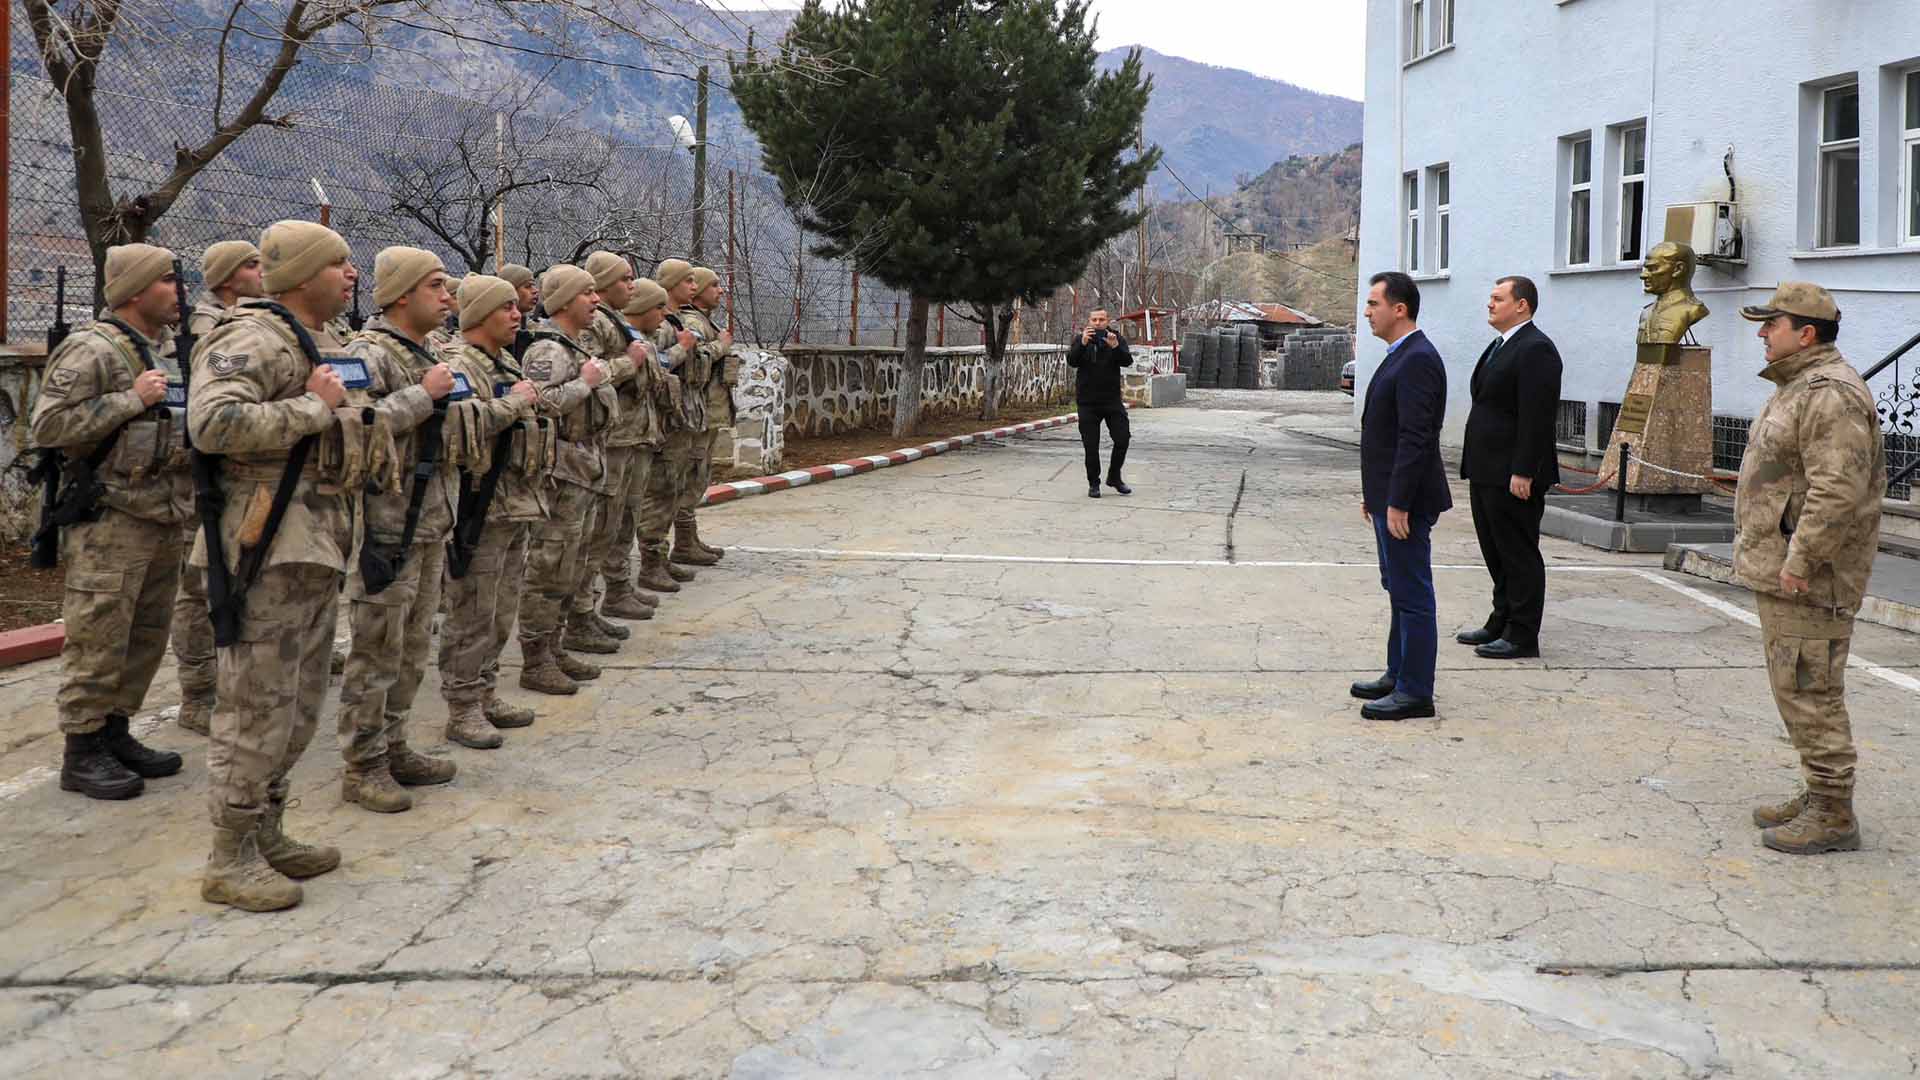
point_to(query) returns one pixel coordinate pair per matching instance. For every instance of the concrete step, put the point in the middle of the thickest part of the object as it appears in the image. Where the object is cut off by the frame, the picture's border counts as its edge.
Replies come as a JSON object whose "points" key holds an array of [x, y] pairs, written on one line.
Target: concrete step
{"points": [[1893, 592]]}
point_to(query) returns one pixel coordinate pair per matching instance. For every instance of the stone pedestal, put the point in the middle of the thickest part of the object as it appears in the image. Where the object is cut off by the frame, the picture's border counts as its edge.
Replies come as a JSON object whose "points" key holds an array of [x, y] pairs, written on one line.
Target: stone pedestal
{"points": [[1667, 416]]}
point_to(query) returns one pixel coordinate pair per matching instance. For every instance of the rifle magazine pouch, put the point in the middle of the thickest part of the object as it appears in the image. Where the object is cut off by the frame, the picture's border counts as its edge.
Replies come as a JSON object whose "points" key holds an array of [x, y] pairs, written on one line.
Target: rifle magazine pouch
{"points": [[139, 454], [343, 450], [479, 448], [385, 470]]}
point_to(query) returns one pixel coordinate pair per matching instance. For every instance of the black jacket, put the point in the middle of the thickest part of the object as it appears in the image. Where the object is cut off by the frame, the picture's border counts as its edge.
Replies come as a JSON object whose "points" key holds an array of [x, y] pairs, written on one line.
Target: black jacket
{"points": [[1098, 364], [1400, 466], [1516, 393]]}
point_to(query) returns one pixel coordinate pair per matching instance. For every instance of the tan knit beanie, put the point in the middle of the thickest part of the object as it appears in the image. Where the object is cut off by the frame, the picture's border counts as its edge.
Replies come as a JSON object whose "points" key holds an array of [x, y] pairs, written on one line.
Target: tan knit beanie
{"points": [[702, 278], [560, 284], [481, 296], [516, 275], [647, 295], [672, 272], [293, 252], [396, 270], [220, 260], [133, 267], [607, 268]]}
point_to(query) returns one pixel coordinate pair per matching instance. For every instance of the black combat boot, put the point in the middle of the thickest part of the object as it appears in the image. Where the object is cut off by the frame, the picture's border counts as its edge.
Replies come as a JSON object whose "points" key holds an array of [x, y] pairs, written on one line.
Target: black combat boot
{"points": [[142, 759], [91, 769]]}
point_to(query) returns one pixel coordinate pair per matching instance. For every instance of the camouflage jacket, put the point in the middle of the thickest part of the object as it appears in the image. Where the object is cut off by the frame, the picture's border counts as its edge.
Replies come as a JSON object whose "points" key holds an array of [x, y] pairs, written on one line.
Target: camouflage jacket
{"points": [[585, 415], [397, 366], [723, 368], [642, 393], [688, 369], [87, 392], [1811, 482], [521, 494], [207, 313]]}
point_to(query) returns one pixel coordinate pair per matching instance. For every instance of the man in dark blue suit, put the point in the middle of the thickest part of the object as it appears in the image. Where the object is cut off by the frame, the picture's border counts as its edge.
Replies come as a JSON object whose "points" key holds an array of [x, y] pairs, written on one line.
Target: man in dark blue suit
{"points": [[1403, 486]]}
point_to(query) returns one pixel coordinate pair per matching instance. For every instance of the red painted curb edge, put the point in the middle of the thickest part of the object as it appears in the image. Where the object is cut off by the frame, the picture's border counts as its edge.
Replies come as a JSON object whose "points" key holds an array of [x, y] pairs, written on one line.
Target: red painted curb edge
{"points": [[820, 474], [31, 643]]}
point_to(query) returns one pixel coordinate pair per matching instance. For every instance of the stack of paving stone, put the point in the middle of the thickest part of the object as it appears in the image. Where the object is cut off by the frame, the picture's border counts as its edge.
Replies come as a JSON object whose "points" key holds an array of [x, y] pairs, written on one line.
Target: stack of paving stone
{"points": [[1313, 357], [1228, 348], [1191, 349], [1249, 358]]}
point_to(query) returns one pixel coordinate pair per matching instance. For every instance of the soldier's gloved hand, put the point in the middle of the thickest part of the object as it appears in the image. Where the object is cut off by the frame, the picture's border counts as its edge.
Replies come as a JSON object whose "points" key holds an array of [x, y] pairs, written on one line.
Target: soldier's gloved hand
{"points": [[594, 373], [438, 380], [525, 391], [687, 340], [325, 384], [151, 387]]}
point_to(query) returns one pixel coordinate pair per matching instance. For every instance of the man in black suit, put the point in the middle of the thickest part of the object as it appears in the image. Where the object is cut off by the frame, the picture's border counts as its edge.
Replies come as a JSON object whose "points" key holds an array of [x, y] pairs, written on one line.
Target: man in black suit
{"points": [[1509, 462], [1403, 491], [1097, 355]]}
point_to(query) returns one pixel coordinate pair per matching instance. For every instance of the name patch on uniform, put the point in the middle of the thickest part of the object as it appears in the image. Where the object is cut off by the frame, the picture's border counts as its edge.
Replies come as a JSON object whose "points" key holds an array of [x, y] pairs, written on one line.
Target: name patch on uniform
{"points": [[176, 395], [352, 371], [462, 389]]}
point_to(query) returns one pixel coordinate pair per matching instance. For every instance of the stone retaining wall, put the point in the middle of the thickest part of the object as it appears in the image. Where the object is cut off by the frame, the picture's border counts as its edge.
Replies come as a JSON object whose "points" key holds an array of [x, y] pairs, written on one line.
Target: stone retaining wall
{"points": [[838, 388]]}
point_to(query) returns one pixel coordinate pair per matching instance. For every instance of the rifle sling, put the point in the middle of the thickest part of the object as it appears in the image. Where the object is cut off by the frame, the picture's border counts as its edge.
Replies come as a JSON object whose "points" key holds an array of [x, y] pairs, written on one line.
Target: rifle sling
{"points": [[251, 559]]}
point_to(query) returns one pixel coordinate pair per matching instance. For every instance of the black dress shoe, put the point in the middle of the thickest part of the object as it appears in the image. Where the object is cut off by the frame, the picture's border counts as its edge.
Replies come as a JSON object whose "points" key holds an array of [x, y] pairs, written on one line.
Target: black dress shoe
{"points": [[1481, 636], [1373, 689], [1093, 491], [1506, 650], [1398, 706], [1120, 487]]}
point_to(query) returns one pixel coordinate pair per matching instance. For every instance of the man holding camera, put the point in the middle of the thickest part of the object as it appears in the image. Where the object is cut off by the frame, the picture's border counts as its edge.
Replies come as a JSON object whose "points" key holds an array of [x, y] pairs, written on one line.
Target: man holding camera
{"points": [[1097, 355]]}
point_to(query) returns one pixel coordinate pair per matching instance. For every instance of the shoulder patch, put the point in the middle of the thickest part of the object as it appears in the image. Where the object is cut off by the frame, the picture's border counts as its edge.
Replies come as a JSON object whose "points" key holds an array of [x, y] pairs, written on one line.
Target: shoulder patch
{"points": [[225, 364], [59, 382]]}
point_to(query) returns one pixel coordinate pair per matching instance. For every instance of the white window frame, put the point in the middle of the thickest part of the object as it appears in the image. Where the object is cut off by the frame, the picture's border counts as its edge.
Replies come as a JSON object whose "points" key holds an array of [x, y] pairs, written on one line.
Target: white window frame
{"points": [[1627, 179], [1575, 188], [1416, 29], [1910, 157], [1445, 36], [1410, 236], [1825, 148], [1441, 183]]}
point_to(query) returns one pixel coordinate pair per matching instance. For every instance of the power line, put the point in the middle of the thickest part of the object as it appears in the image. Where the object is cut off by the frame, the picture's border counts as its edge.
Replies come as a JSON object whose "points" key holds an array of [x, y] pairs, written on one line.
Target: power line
{"points": [[1230, 227]]}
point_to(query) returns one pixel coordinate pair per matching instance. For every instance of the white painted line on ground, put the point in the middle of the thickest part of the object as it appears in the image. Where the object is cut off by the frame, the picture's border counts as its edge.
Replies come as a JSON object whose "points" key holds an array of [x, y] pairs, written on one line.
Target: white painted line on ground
{"points": [[1742, 615], [1063, 560]]}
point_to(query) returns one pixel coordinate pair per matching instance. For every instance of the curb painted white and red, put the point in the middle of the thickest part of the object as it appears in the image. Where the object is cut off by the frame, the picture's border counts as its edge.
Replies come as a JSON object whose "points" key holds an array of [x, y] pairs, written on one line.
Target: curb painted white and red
{"points": [[41, 642], [820, 474]]}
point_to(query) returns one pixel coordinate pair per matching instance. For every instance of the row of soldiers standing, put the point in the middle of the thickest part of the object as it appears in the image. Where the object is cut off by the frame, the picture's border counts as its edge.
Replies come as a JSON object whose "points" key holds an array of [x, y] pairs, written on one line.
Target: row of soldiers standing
{"points": [[508, 469]]}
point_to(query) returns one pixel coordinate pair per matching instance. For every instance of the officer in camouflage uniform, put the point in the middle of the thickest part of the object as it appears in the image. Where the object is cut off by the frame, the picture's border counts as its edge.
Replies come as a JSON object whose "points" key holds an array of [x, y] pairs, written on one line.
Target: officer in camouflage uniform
{"points": [[650, 509], [1807, 516], [686, 423], [722, 372], [630, 454], [526, 297], [231, 271], [105, 381], [482, 606], [574, 394], [392, 629], [256, 394]]}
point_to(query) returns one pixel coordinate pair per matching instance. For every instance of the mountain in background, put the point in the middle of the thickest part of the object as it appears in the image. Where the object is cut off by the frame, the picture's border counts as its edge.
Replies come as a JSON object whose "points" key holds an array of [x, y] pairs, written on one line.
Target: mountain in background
{"points": [[1220, 127]]}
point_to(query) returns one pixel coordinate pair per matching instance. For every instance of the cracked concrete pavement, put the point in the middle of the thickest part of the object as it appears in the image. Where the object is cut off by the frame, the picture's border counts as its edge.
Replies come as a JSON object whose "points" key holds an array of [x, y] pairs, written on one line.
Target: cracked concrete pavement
{"points": [[905, 792]]}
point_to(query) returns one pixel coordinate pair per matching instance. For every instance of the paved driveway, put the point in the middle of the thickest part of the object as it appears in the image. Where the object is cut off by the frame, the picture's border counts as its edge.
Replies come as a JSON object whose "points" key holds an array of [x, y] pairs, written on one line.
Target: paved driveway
{"points": [[950, 771]]}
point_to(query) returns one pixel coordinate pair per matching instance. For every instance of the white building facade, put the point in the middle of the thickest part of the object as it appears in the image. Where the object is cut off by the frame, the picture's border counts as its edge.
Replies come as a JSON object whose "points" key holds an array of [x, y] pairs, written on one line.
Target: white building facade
{"points": [[1549, 137]]}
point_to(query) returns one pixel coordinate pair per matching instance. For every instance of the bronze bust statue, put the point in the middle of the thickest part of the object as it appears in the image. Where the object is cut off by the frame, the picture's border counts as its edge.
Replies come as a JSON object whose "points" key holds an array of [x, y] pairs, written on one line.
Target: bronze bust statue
{"points": [[1668, 275]]}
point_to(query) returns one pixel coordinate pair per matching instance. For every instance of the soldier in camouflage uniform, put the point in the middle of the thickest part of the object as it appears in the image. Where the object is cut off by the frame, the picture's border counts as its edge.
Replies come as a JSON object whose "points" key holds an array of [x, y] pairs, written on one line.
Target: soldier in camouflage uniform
{"points": [[258, 392], [231, 271], [574, 394], [105, 382], [722, 372], [650, 509], [630, 454], [1807, 516], [686, 422], [392, 628], [482, 605], [526, 298]]}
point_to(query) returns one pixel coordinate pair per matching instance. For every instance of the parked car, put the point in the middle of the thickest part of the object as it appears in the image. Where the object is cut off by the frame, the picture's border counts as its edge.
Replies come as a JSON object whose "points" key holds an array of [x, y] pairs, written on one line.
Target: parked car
{"points": [[1346, 379]]}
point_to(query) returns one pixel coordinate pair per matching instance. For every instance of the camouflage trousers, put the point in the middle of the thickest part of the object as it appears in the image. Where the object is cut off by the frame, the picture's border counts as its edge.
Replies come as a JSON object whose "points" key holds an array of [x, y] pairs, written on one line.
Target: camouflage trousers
{"points": [[392, 631], [121, 575], [666, 488], [699, 468], [272, 683], [554, 561], [481, 609], [1807, 652], [616, 568], [596, 545], [192, 634]]}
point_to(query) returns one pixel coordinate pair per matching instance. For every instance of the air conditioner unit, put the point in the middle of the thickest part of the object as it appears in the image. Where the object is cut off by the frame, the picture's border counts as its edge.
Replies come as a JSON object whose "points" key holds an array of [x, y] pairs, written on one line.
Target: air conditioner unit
{"points": [[1711, 229]]}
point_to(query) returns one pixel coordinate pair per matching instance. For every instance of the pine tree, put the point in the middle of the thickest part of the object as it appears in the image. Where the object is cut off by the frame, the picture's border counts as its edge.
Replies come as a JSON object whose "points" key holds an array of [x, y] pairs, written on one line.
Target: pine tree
{"points": [[966, 152]]}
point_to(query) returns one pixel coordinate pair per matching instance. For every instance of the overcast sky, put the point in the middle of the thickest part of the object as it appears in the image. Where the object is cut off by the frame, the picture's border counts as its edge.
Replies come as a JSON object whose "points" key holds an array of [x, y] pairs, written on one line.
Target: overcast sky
{"points": [[1318, 44]]}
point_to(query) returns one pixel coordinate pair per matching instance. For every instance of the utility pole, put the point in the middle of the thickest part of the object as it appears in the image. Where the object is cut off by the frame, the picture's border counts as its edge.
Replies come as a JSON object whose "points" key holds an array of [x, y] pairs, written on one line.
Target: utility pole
{"points": [[700, 169], [1140, 147], [500, 201], [729, 249]]}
